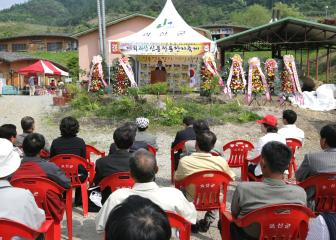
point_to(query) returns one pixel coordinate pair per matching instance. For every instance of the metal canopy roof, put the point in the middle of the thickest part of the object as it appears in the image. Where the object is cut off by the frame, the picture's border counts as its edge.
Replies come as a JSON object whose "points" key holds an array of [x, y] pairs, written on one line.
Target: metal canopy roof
{"points": [[288, 33]]}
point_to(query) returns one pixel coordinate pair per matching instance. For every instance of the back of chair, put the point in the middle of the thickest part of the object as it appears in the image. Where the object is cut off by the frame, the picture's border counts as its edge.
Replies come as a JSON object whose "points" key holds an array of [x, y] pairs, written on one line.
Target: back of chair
{"points": [[177, 148], [10, 229], [69, 164], [92, 150], [38, 187], [208, 186], [325, 191], [116, 181], [238, 152], [151, 149], [293, 144], [182, 225], [282, 221], [44, 153]]}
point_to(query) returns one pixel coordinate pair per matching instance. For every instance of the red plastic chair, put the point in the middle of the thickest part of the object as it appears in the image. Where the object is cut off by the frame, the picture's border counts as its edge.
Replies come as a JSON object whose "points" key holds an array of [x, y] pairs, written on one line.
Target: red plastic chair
{"points": [[293, 144], [69, 164], [239, 150], [38, 187], [178, 148], [208, 188], [44, 153], [178, 222], [10, 229], [151, 149], [91, 170], [251, 176], [324, 185], [116, 181], [281, 221]]}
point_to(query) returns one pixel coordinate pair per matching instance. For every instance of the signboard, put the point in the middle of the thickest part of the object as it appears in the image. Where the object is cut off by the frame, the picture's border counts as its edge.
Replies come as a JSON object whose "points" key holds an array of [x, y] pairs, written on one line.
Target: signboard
{"points": [[176, 49]]}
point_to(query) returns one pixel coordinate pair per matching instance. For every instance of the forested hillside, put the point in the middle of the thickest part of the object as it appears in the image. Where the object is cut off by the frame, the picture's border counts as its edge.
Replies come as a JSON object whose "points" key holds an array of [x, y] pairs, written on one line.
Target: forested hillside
{"points": [[74, 15]]}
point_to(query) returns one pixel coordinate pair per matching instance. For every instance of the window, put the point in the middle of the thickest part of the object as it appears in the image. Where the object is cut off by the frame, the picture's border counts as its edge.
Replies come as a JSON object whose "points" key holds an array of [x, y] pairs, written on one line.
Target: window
{"points": [[55, 46], [3, 47], [19, 47]]}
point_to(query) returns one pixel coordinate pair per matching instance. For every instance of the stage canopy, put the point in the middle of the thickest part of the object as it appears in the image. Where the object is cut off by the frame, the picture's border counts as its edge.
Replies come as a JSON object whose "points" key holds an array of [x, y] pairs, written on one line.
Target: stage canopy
{"points": [[43, 67], [169, 34]]}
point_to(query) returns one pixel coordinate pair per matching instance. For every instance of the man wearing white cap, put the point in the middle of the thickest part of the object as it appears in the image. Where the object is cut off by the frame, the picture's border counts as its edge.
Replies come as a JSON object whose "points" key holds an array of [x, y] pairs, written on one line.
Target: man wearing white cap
{"points": [[142, 135], [16, 204]]}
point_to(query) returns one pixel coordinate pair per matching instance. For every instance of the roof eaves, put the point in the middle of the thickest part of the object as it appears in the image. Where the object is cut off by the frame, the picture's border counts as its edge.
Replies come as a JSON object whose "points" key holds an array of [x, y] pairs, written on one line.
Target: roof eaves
{"points": [[115, 21], [281, 21]]}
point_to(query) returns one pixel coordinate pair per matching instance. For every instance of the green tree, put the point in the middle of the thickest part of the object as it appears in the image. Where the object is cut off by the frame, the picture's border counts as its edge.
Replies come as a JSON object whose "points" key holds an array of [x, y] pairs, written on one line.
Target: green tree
{"points": [[288, 10], [252, 16]]}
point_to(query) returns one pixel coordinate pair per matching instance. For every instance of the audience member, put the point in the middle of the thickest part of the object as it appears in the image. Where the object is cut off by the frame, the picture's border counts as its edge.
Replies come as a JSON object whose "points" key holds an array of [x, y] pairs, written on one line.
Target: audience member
{"points": [[290, 130], [320, 162], [69, 143], [34, 166], [323, 227], [269, 128], [117, 161], [187, 133], [142, 135], [143, 168], [28, 126], [136, 144], [202, 160], [17, 204], [137, 218], [248, 196], [8, 131], [198, 126]]}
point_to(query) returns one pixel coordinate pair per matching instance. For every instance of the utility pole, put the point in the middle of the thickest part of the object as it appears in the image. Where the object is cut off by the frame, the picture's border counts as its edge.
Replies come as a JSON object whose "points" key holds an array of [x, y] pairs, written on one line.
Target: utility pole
{"points": [[100, 28], [104, 28], [326, 12]]}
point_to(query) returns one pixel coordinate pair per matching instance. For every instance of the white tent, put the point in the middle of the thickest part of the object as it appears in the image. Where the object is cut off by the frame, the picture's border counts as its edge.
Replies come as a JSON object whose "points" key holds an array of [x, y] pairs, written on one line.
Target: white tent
{"points": [[169, 34]]}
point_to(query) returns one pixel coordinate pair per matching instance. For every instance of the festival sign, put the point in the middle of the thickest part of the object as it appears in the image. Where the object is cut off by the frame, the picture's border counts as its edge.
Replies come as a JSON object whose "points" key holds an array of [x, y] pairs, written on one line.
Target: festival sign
{"points": [[176, 49]]}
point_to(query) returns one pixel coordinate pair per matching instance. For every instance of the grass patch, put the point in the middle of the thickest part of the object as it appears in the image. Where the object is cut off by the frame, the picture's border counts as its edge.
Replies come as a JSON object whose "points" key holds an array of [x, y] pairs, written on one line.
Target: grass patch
{"points": [[168, 112]]}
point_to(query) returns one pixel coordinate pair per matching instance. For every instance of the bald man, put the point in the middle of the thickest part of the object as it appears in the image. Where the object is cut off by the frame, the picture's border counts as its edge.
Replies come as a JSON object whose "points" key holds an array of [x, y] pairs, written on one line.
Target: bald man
{"points": [[143, 167]]}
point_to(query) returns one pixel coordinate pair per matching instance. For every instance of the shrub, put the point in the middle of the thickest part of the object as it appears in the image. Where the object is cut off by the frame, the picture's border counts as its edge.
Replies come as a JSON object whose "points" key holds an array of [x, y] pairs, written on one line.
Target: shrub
{"points": [[157, 88]]}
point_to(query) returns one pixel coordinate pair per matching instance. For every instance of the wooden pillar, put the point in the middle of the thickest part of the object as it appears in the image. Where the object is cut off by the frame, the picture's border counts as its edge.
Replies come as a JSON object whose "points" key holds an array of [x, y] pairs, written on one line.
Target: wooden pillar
{"points": [[317, 65], [328, 65], [308, 62], [222, 57], [301, 59]]}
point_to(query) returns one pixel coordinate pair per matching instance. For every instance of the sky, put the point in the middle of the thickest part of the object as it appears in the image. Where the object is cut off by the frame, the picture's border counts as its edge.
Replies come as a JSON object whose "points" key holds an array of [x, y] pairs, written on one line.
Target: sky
{"points": [[7, 3]]}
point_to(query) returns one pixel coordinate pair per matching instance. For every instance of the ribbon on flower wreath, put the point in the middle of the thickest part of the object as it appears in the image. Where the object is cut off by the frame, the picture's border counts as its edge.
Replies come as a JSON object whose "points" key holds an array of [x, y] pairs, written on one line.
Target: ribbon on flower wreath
{"points": [[210, 64], [254, 63], [124, 62], [97, 60], [289, 60], [236, 60], [271, 68]]}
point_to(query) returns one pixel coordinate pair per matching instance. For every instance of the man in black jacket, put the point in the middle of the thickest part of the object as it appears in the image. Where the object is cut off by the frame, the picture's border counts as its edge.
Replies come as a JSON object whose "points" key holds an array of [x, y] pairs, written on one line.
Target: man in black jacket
{"points": [[116, 161], [187, 133]]}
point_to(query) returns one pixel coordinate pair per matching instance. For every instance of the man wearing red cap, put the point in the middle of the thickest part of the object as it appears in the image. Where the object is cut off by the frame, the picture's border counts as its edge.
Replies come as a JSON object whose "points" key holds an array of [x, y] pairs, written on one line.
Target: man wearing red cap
{"points": [[269, 128]]}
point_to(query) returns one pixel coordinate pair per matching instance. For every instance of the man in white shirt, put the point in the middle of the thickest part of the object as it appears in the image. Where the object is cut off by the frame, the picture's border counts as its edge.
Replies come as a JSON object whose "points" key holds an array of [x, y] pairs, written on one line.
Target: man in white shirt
{"points": [[269, 127], [290, 130], [143, 168], [17, 204]]}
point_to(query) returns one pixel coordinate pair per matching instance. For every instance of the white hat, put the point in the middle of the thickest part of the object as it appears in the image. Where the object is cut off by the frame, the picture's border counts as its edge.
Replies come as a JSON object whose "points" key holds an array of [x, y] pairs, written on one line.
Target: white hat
{"points": [[9, 159], [142, 122]]}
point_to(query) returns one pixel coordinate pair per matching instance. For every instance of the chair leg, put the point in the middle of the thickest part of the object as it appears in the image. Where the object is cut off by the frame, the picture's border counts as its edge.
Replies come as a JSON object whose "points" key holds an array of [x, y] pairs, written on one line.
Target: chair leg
{"points": [[84, 198], [68, 204]]}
